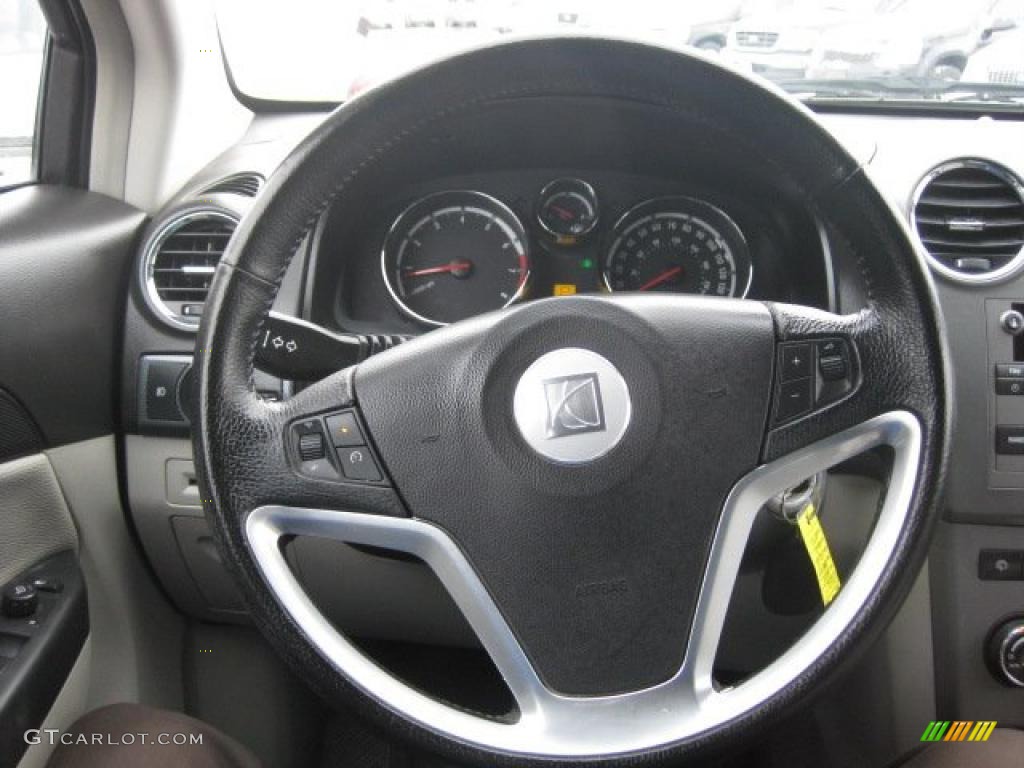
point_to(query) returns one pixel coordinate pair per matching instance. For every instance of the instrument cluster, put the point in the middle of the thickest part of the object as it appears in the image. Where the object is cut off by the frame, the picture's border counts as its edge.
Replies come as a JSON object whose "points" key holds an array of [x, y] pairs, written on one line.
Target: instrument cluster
{"points": [[456, 253]]}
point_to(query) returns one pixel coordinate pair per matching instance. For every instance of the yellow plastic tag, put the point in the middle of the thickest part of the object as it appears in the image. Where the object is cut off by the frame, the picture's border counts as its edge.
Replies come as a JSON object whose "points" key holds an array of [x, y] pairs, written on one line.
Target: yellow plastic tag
{"points": [[813, 536]]}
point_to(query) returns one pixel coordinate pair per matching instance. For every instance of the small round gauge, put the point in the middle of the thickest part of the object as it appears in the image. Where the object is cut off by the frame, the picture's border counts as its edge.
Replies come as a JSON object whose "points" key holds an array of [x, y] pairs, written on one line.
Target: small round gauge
{"points": [[452, 255], [568, 208], [678, 244]]}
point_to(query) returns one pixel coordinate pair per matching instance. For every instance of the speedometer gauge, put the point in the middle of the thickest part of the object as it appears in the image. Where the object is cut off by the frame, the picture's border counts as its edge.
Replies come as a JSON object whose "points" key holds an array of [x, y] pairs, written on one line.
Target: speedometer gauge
{"points": [[678, 244], [452, 255]]}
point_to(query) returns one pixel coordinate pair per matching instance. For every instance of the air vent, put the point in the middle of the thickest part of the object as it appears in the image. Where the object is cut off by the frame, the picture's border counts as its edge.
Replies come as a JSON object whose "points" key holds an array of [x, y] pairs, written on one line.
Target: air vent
{"points": [[969, 216], [243, 184], [179, 263]]}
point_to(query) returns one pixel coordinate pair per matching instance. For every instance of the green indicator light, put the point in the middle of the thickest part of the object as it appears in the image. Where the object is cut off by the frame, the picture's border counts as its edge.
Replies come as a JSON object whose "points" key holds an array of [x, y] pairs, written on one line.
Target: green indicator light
{"points": [[587, 263]]}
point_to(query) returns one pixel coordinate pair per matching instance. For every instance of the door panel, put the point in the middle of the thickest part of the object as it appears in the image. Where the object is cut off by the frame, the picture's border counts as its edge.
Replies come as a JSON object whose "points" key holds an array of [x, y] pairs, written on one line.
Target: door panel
{"points": [[34, 520], [65, 256]]}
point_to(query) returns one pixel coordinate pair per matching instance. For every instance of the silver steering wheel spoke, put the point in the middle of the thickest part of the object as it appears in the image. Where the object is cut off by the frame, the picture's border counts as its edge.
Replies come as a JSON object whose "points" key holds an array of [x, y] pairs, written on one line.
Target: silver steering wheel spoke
{"points": [[574, 726]]}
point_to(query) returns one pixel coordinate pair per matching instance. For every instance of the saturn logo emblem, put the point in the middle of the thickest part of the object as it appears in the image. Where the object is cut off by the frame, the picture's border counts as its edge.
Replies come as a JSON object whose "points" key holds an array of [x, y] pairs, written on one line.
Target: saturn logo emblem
{"points": [[572, 405]]}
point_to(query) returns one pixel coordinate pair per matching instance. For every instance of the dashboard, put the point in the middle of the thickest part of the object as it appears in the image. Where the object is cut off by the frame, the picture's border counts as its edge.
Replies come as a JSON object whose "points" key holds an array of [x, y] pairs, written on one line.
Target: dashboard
{"points": [[588, 215], [450, 248]]}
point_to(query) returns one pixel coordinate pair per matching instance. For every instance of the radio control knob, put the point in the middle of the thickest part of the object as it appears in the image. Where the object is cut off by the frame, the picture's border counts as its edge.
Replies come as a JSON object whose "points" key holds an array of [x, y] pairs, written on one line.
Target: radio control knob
{"points": [[1012, 322], [1005, 653]]}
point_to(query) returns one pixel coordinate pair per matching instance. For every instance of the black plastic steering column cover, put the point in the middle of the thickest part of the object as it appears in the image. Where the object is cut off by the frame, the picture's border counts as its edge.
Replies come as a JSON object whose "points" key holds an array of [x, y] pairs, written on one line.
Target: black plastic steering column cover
{"points": [[899, 336]]}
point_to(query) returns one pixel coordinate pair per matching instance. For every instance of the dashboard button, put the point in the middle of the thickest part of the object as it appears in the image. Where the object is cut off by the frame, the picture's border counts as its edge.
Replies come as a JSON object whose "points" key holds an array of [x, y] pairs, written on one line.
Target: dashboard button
{"points": [[357, 464], [1010, 386], [161, 394], [344, 430], [1010, 371], [1000, 565], [1010, 441], [796, 361], [795, 399]]}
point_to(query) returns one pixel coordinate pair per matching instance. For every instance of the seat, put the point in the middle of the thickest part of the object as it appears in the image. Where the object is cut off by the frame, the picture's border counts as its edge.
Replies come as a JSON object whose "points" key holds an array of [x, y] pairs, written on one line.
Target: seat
{"points": [[100, 739]]}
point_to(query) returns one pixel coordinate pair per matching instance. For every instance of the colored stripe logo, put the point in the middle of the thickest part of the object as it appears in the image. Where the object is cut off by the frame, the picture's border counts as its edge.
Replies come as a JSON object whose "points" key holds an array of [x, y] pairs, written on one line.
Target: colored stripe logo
{"points": [[958, 730]]}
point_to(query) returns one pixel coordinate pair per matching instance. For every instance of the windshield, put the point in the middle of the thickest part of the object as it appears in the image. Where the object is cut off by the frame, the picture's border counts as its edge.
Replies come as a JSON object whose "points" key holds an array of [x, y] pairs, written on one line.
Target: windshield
{"points": [[943, 51]]}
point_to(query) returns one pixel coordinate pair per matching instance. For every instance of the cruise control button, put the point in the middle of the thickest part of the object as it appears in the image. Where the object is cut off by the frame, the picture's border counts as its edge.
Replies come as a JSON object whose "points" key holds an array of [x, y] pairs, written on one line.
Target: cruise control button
{"points": [[321, 469], [796, 361], [311, 447], [795, 399], [344, 430], [357, 464]]}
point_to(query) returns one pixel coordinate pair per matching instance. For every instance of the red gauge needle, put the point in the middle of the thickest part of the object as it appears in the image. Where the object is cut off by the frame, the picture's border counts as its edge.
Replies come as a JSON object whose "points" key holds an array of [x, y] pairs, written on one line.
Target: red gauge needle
{"points": [[563, 214], [455, 266], [654, 282]]}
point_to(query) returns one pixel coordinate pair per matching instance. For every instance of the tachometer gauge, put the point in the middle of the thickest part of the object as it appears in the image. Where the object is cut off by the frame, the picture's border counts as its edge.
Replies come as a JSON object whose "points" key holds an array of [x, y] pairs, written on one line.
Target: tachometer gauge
{"points": [[452, 255], [678, 244], [568, 208]]}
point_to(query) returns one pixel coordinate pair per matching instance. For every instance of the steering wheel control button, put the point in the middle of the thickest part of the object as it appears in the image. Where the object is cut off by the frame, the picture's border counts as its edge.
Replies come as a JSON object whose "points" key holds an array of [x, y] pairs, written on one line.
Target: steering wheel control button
{"points": [[344, 430], [1012, 322], [796, 398], [19, 601], [797, 361], [322, 469], [357, 463], [312, 447], [811, 375], [339, 453], [833, 362], [832, 368], [1010, 441], [572, 405], [1000, 565]]}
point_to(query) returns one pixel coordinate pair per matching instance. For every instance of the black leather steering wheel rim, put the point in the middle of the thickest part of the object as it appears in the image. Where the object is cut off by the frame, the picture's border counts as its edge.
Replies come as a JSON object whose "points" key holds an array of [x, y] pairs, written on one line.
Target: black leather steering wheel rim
{"points": [[898, 338]]}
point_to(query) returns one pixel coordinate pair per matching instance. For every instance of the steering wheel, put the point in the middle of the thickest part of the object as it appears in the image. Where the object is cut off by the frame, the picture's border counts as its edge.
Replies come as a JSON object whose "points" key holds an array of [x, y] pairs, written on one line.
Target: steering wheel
{"points": [[582, 473]]}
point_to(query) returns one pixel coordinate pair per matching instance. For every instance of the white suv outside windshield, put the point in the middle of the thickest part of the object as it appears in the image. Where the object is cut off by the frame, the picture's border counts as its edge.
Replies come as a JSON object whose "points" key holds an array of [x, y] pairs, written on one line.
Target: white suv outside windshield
{"points": [[876, 50]]}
